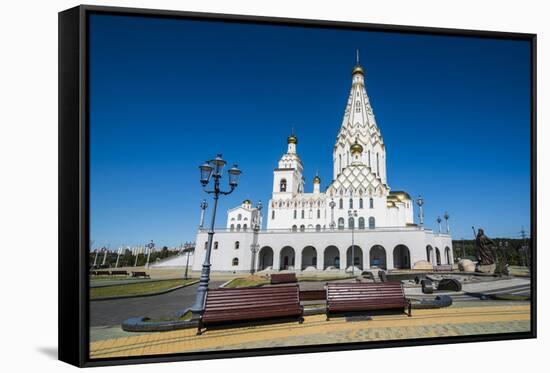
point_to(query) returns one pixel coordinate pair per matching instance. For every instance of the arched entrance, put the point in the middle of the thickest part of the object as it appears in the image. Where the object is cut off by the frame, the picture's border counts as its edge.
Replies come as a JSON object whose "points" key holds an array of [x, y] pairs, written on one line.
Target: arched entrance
{"points": [[429, 253], [265, 258], [448, 254], [309, 257], [331, 257], [437, 256], [377, 257], [287, 258], [357, 257], [401, 257]]}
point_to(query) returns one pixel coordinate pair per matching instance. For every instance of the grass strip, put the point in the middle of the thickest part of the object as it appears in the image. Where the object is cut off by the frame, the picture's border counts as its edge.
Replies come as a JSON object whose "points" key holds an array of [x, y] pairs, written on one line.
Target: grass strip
{"points": [[136, 289]]}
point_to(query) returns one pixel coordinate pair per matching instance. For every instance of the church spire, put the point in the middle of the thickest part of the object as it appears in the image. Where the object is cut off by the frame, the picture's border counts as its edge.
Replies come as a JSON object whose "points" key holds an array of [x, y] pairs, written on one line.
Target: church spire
{"points": [[358, 128]]}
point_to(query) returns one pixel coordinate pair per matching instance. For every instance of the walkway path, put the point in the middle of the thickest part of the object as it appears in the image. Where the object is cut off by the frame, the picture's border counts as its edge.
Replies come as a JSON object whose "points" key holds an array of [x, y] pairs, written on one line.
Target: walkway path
{"points": [[315, 330], [114, 312]]}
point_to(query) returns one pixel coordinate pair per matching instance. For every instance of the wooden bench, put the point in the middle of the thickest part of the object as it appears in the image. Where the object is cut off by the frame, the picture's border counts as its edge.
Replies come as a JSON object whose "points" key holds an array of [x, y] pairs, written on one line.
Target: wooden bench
{"points": [[245, 304], [283, 278], [119, 273], [342, 297], [443, 268], [139, 274]]}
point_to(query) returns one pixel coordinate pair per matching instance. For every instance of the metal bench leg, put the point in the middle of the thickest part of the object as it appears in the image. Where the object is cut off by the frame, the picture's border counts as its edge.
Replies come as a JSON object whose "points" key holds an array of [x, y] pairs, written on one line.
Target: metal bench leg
{"points": [[410, 309], [199, 331]]}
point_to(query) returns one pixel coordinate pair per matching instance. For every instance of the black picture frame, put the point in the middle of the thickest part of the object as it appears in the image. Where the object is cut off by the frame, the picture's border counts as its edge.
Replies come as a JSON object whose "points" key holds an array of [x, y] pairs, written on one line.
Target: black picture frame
{"points": [[74, 202]]}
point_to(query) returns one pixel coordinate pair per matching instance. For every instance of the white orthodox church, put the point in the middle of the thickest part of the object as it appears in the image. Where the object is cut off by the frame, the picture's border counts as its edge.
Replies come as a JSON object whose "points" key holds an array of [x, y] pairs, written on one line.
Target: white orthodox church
{"points": [[358, 220]]}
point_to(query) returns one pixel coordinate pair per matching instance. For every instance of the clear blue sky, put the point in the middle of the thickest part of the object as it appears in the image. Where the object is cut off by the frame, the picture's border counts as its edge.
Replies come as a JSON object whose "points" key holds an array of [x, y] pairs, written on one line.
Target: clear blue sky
{"points": [[167, 94]]}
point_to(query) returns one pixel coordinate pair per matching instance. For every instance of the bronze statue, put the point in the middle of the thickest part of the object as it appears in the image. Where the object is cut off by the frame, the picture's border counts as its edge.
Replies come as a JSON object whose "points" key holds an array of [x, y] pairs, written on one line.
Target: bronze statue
{"points": [[484, 246]]}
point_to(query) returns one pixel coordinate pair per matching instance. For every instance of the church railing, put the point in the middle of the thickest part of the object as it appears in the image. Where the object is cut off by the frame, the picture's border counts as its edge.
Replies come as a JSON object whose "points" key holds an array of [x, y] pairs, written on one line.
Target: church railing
{"points": [[327, 230]]}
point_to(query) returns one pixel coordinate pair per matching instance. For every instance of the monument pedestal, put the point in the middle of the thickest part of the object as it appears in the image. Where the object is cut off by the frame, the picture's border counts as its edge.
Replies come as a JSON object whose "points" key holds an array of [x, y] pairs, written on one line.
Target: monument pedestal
{"points": [[487, 268]]}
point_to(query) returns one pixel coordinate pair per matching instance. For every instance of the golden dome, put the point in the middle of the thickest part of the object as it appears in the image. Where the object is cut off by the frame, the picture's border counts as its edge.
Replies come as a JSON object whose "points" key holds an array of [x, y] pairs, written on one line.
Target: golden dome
{"points": [[316, 180], [247, 202], [358, 70], [356, 148], [292, 139], [401, 195]]}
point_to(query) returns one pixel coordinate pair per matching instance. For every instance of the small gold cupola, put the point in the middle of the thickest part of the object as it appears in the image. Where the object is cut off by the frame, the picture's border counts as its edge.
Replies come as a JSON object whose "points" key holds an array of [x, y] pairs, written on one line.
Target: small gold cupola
{"points": [[356, 148], [292, 139]]}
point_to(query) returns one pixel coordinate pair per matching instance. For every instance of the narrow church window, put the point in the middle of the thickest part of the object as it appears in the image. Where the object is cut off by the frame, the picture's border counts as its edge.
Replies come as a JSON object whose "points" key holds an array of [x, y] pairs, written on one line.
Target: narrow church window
{"points": [[272, 214], [341, 203], [238, 227], [369, 157], [295, 214], [340, 223], [282, 186], [215, 245], [235, 262], [318, 228], [318, 214], [302, 228], [371, 203], [351, 223], [239, 217], [361, 223], [339, 163], [237, 244], [360, 203], [232, 228], [244, 227], [371, 223], [294, 228], [303, 214], [377, 165], [351, 203]]}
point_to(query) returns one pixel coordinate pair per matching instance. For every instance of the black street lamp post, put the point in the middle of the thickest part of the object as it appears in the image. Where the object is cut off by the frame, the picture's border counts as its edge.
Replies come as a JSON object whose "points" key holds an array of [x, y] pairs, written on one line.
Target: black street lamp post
{"points": [[212, 170]]}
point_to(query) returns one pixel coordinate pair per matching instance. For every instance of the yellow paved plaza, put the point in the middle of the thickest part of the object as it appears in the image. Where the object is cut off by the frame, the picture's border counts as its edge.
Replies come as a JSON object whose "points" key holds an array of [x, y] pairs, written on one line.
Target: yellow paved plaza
{"points": [[315, 330]]}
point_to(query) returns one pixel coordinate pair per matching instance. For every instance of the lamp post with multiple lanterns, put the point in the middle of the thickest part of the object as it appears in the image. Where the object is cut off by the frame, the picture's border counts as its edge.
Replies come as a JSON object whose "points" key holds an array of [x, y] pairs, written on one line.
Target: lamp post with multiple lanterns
{"points": [[212, 171], [256, 229], [420, 203]]}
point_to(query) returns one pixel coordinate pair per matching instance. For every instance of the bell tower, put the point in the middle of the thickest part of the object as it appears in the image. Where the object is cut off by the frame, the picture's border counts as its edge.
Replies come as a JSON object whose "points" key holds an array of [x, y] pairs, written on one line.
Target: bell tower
{"points": [[287, 177]]}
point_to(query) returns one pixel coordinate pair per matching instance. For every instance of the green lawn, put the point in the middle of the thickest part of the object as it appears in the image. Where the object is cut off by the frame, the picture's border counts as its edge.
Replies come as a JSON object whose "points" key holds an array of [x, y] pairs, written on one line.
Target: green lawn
{"points": [[244, 282], [257, 280], [320, 278], [136, 289]]}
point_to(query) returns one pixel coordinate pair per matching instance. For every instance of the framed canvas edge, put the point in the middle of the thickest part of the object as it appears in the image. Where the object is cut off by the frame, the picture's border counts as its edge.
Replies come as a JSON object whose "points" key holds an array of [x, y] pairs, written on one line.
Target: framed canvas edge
{"points": [[73, 317]]}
